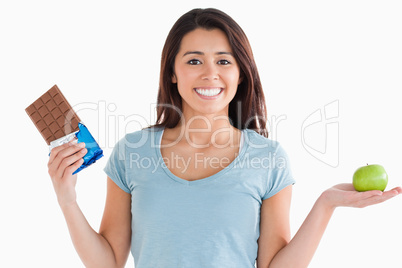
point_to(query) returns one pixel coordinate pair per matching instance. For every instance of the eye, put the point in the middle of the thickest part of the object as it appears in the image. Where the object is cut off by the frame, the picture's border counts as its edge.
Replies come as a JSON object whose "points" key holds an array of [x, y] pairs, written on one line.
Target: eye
{"points": [[223, 62], [194, 62]]}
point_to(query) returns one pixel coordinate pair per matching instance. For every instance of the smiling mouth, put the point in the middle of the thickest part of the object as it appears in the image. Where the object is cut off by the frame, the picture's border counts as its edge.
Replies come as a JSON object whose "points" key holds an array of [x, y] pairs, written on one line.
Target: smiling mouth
{"points": [[208, 92]]}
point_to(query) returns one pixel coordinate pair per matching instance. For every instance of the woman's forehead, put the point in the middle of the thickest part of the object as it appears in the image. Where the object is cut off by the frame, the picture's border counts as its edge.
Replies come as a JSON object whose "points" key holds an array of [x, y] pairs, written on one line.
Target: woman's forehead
{"points": [[205, 41]]}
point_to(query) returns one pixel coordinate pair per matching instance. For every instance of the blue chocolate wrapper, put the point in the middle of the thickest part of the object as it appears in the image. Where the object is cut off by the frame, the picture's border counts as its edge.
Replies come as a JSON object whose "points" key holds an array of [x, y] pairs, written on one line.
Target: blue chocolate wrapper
{"points": [[94, 151]]}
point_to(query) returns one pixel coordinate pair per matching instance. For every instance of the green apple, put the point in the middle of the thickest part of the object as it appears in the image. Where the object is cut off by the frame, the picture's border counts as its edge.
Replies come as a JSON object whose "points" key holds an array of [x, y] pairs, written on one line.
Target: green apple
{"points": [[370, 177]]}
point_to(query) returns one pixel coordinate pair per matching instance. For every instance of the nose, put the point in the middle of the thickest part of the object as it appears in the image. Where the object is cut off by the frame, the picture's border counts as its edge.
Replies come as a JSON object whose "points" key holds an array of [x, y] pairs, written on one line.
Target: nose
{"points": [[210, 72]]}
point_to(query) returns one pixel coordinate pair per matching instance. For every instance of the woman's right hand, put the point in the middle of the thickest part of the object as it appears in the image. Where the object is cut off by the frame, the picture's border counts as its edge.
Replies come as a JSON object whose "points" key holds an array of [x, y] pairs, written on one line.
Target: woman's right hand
{"points": [[63, 161]]}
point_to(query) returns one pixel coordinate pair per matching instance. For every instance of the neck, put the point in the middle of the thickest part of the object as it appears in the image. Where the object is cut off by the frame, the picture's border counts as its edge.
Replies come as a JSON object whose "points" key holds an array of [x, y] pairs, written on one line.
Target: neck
{"points": [[208, 130]]}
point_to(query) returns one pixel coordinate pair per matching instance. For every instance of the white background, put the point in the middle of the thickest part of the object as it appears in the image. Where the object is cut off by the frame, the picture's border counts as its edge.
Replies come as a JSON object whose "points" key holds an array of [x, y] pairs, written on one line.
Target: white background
{"points": [[105, 56]]}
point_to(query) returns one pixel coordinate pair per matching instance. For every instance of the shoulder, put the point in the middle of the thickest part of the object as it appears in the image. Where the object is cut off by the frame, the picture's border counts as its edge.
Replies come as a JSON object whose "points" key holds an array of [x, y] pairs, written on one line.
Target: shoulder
{"points": [[260, 146], [139, 138], [257, 141]]}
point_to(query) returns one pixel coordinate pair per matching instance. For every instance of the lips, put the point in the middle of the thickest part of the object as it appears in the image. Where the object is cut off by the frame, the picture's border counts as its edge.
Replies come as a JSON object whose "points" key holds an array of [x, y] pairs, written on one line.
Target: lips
{"points": [[209, 92]]}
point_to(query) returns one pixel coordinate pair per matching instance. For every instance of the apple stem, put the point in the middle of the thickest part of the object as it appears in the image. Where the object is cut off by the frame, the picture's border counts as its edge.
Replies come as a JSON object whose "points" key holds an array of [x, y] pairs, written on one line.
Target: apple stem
{"points": [[367, 164]]}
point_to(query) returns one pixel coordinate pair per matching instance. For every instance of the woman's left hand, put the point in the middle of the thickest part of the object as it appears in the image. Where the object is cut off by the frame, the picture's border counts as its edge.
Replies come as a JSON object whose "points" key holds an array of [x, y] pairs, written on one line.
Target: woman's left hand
{"points": [[345, 195]]}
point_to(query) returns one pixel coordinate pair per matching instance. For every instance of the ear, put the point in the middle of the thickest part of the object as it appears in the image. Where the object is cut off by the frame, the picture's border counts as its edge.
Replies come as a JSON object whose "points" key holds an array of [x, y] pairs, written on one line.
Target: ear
{"points": [[240, 80], [174, 79]]}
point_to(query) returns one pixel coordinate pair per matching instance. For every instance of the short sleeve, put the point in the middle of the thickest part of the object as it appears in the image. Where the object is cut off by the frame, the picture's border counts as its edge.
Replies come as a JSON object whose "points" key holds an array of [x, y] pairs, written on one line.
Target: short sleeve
{"points": [[280, 174], [116, 166]]}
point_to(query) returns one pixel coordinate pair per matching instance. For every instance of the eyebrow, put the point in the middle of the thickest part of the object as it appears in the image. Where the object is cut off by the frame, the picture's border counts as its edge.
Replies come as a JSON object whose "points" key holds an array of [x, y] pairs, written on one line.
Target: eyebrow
{"points": [[202, 53]]}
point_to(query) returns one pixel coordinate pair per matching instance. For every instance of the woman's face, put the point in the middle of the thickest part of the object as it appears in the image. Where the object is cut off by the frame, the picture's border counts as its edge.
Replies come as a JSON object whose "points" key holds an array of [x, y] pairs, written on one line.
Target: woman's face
{"points": [[206, 72]]}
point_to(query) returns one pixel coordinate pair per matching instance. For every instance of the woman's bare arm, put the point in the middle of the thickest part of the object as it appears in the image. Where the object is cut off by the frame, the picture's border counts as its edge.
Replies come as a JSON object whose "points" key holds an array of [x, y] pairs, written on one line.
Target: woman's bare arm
{"points": [[116, 222], [274, 226], [108, 248], [301, 248]]}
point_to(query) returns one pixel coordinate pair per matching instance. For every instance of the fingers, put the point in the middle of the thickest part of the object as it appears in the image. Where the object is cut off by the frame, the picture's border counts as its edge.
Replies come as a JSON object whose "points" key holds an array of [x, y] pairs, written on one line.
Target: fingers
{"points": [[369, 194], [352, 198], [55, 151], [70, 163], [397, 189], [346, 195], [70, 169], [63, 156], [378, 198], [379, 194]]}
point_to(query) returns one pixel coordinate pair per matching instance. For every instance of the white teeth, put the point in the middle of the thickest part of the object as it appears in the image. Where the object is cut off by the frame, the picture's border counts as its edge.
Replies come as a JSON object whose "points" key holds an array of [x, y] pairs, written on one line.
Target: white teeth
{"points": [[208, 92]]}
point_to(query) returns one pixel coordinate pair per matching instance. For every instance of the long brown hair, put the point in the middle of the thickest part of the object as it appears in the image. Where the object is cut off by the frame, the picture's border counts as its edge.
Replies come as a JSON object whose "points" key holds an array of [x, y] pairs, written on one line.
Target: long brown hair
{"points": [[247, 109]]}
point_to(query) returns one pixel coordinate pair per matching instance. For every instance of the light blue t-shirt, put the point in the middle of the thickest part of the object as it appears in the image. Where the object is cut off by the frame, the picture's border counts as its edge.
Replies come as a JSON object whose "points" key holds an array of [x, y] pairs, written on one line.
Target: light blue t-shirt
{"points": [[210, 222]]}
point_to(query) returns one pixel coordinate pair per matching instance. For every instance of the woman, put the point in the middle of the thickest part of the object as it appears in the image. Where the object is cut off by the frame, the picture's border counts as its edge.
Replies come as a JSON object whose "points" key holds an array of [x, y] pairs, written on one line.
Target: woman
{"points": [[204, 187]]}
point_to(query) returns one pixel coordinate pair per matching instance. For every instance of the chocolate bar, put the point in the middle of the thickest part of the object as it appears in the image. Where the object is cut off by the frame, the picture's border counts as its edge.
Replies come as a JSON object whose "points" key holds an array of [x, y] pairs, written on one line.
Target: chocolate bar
{"points": [[53, 116], [56, 120]]}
